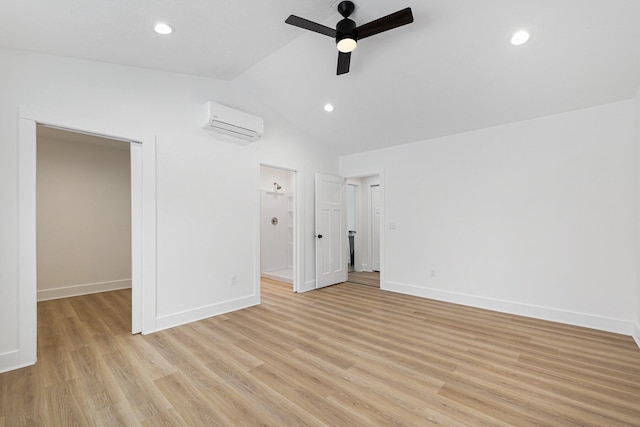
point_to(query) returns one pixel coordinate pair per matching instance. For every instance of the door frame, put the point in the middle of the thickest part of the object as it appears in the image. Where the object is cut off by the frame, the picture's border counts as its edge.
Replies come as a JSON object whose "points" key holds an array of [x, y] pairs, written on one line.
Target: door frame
{"points": [[357, 260], [371, 227], [143, 210], [383, 187], [298, 224]]}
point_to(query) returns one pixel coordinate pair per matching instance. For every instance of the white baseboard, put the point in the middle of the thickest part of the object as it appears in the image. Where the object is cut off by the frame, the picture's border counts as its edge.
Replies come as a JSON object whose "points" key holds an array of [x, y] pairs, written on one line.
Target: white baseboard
{"points": [[77, 290], [309, 285], [188, 316], [277, 277], [636, 333], [618, 326], [11, 360]]}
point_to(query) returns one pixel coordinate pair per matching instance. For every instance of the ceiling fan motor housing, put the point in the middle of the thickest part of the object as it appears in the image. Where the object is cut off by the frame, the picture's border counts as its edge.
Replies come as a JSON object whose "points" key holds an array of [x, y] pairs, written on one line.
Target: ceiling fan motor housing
{"points": [[346, 28]]}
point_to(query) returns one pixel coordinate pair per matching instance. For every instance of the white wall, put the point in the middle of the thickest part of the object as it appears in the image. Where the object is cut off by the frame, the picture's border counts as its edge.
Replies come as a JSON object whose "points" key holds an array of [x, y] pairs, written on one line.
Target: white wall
{"points": [[201, 243], [283, 177], [83, 214], [534, 217], [274, 238]]}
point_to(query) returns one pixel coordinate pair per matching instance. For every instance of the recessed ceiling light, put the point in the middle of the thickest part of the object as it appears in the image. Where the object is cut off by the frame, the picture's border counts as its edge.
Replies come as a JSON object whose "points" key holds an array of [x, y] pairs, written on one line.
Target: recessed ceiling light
{"points": [[328, 108], [520, 37], [162, 28]]}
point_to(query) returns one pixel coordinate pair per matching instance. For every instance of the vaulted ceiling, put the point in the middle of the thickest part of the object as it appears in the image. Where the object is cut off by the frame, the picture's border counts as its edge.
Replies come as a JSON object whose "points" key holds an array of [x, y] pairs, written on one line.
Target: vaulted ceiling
{"points": [[451, 71]]}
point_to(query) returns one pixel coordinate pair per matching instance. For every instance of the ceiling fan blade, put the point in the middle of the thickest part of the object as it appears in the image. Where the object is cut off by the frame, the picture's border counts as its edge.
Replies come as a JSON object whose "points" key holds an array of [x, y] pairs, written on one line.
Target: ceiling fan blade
{"points": [[310, 25], [344, 60], [389, 22]]}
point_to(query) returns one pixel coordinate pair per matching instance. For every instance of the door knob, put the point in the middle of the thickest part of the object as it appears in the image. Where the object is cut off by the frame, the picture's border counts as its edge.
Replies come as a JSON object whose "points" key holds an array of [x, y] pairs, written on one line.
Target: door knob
{"points": [[319, 236]]}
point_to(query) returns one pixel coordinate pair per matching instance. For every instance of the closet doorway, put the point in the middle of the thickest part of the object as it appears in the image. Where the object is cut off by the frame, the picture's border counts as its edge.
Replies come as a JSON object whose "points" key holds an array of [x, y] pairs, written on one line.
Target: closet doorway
{"points": [[83, 214], [143, 223], [278, 224]]}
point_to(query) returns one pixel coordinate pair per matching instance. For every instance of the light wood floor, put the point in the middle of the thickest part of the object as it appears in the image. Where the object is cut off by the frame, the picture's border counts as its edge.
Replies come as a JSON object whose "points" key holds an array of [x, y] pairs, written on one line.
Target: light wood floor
{"points": [[368, 278], [345, 355]]}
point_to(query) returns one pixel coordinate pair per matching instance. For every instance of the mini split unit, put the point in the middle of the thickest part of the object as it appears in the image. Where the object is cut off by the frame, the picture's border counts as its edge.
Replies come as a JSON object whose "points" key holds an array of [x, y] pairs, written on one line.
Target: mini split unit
{"points": [[229, 122]]}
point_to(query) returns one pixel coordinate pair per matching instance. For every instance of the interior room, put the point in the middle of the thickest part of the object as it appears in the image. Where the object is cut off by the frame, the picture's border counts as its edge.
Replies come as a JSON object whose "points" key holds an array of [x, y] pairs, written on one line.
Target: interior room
{"points": [[277, 221], [504, 138], [83, 201]]}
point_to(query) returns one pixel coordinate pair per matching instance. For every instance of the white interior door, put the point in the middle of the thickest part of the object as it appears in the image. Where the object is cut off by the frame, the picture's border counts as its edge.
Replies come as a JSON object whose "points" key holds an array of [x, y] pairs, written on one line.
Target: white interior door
{"points": [[375, 227], [331, 230]]}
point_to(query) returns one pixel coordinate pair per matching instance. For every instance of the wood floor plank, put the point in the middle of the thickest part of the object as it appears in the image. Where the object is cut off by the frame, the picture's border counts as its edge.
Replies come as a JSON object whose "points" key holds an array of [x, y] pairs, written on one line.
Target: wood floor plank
{"points": [[85, 308], [273, 408], [189, 403], [116, 318], [224, 348], [65, 400], [368, 278], [371, 389], [57, 364], [145, 399], [321, 408], [73, 332], [117, 414], [168, 418], [99, 387], [343, 355], [22, 397], [144, 355]]}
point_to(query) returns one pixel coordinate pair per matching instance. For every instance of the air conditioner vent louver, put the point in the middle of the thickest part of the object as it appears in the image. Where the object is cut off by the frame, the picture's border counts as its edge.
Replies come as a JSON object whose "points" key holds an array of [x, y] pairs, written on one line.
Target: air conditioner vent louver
{"points": [[236, 124], [240, 132]]}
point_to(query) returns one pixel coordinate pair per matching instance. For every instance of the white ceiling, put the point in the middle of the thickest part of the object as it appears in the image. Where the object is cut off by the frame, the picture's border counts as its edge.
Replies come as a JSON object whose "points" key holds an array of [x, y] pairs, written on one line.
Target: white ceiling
{"points": [[451, 71], [213, 38]]}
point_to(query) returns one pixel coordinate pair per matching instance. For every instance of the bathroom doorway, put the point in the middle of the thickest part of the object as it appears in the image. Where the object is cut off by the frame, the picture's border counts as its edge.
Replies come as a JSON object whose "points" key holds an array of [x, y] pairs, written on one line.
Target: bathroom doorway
{"points": [[277, 224]]}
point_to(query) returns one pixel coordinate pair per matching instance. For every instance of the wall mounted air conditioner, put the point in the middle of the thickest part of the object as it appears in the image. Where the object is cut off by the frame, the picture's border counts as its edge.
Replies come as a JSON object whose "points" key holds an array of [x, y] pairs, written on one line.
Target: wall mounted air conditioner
{"points": [[227, 121]]}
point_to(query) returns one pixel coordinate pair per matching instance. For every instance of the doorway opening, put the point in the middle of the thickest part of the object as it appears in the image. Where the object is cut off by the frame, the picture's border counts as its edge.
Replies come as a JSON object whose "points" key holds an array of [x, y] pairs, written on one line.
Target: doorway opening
{"points": [[278, 224], [83, 214], [352, 214], [143, 224], [364, 213]]}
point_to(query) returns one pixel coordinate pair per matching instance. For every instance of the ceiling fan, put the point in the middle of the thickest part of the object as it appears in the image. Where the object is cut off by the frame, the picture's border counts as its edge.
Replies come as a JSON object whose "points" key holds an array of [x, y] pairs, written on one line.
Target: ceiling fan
{"points": [[346, 32]]}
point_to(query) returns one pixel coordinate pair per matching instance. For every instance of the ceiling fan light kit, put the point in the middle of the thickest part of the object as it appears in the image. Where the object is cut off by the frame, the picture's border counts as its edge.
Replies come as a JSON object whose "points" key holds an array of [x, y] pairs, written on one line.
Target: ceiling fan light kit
{"points": [[347, 34]]}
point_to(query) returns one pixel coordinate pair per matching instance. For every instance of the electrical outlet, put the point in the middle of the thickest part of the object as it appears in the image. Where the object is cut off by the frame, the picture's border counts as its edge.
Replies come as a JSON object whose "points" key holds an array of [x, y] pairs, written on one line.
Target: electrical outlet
{"points": [[433, 273], [233, 280]]}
